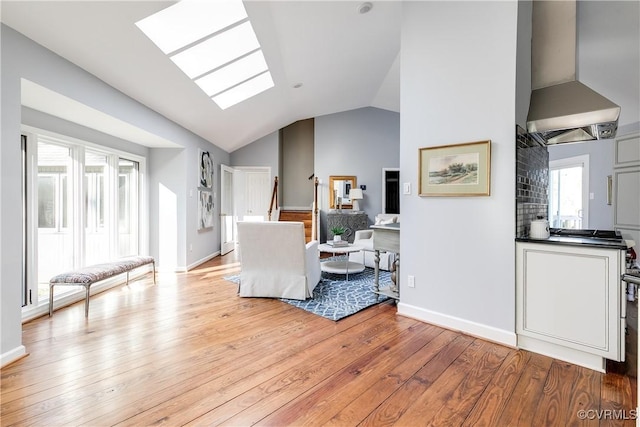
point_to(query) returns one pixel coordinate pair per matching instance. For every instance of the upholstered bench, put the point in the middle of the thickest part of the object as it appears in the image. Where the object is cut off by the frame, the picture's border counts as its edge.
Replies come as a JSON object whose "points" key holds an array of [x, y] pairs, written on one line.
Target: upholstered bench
{"points": [[89, 275]]}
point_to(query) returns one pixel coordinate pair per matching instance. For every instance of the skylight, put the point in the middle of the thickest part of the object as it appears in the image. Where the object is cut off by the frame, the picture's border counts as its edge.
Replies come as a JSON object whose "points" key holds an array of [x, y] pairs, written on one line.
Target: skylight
{"points": [[214, 44]]}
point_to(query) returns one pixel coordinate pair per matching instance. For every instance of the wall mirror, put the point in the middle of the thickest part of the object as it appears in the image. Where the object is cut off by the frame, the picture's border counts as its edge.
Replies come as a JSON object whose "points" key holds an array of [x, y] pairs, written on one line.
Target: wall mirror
{"points": [[339, 187]]}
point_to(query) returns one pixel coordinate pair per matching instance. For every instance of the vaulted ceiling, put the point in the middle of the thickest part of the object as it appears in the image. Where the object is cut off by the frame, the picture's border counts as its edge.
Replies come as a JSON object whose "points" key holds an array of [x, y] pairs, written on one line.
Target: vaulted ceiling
{"points": [[341, 58]]}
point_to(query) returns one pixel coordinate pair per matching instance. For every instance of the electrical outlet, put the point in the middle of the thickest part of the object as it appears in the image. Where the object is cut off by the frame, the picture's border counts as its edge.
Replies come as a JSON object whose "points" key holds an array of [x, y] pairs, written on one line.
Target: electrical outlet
{"points": [[190, 247], [411, 281]]}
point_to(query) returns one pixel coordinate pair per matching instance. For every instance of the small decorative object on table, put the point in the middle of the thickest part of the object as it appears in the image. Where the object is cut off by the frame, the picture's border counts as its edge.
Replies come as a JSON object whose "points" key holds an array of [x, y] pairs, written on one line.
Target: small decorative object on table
{"points": [[338, 231]]}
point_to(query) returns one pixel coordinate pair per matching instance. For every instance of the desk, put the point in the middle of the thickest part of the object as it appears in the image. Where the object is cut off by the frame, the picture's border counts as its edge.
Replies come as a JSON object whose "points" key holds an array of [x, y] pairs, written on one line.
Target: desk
{"points": [[386, 238]]}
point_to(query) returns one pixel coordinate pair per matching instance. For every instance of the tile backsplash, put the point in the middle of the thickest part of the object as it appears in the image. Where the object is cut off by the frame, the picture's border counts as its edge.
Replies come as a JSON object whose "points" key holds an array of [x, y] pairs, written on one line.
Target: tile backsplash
{"points": [[532, 181]]}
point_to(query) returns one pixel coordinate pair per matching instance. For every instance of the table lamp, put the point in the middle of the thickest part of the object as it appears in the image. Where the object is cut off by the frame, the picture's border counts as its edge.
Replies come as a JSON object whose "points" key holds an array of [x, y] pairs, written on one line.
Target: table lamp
{"points": [[355, 194]]}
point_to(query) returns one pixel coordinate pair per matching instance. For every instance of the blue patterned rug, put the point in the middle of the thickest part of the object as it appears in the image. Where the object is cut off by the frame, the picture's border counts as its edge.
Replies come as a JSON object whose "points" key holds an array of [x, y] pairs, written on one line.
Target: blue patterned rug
{"points": [[334, 298]]}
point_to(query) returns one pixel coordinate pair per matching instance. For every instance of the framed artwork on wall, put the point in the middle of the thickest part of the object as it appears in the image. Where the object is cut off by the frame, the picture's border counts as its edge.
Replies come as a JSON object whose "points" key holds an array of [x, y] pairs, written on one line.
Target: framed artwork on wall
{"points": [[455, 170], [206, 169], [205, 209], [205, 190]]}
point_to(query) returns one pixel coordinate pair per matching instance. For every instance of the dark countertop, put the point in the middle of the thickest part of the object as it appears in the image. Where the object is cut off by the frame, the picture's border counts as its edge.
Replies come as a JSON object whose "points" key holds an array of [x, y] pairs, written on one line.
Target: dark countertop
{"points": [[578, 241]]}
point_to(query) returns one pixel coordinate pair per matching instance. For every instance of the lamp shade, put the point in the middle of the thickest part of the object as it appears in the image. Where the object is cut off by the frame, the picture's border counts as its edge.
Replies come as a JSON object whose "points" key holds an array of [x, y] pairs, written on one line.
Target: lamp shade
{"points": [[355, 194]]}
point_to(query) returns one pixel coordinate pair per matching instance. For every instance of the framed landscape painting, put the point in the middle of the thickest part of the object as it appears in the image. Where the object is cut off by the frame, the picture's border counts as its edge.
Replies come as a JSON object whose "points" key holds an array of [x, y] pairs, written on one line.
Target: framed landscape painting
{"points": [[455, 170]]}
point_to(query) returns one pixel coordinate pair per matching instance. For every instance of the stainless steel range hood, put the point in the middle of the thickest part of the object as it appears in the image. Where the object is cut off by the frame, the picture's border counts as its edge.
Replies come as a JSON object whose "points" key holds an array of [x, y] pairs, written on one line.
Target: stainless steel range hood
{"points": [[562, 109]]}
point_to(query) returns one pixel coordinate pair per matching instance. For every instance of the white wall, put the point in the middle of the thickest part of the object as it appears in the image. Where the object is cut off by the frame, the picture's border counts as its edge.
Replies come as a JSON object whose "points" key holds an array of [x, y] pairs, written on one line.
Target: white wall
{"points": [[458, 85]]}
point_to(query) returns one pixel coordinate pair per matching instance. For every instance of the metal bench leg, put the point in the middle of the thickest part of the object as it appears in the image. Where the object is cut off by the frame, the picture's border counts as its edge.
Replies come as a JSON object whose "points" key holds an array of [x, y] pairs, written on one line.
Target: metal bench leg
{"points": [[51, 285], [86, 300], [154, 272]]}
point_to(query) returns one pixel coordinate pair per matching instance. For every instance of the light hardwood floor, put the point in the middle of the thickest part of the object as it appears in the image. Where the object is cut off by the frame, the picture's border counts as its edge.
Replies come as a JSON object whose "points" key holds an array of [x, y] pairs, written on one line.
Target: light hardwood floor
{"points": [[188, 351]]}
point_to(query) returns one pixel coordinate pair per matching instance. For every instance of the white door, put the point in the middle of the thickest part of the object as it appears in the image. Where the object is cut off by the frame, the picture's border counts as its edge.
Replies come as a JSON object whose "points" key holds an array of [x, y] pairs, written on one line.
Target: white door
{"points": [[256, 193], [227, 218]]}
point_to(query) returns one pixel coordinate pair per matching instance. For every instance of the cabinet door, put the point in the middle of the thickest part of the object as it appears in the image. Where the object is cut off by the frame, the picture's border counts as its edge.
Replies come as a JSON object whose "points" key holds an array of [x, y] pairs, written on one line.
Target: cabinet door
{"points": [[570, 296], [627, 191], [627, 151]]}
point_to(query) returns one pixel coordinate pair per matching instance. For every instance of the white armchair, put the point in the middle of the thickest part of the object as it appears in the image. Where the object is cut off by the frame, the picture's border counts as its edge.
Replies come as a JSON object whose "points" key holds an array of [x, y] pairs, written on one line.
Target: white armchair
{"points": [[364, 238], [276, 262]]}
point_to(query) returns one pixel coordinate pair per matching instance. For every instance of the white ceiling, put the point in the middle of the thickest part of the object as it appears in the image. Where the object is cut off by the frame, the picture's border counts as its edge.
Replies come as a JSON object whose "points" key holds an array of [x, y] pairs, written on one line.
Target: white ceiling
{"points": [[343, 59]]}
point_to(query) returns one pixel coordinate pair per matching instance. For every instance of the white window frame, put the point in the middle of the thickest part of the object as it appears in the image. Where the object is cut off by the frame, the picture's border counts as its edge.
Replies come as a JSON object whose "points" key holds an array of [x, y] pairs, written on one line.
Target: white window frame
{"points": [[36, 309], [569, 162]]}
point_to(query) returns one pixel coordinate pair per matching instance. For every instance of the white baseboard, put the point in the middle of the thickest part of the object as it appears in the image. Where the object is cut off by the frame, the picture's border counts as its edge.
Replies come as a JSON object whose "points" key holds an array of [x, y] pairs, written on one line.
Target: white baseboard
{"points": [[479, 330], [577, 357], [202, 261], [12, 355]]}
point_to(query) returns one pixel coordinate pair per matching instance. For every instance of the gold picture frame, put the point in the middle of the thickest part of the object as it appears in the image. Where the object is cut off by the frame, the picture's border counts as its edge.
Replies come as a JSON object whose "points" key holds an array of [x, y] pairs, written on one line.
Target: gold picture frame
{"points": [[455, 170]]}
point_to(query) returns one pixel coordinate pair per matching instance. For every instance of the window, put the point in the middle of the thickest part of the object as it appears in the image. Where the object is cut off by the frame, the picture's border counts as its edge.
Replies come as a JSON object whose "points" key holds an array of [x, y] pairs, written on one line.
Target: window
{"points": [[84, 208], [568, 192]]}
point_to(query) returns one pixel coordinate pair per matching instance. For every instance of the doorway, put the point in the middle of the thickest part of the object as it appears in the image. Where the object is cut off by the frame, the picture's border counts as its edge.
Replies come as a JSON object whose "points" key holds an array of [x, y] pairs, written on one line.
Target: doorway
{"points": [[391, 191]]}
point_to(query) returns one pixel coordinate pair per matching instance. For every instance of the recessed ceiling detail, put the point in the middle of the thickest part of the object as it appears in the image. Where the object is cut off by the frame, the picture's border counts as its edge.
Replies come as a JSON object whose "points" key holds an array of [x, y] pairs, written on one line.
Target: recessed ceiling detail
{"points": [[214, 44]]}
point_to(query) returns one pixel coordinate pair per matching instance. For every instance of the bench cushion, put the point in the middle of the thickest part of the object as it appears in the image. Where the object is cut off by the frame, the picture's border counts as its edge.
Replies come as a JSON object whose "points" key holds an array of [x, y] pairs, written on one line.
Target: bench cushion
{"points": [[97, 272]]}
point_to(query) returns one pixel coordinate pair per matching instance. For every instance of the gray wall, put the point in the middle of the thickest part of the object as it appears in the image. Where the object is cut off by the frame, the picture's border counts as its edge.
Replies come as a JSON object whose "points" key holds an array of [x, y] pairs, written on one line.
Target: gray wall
{"points": [[358, 142], [458, 81], [297, 164], [262, 152], [523, 62], [22, 58]]}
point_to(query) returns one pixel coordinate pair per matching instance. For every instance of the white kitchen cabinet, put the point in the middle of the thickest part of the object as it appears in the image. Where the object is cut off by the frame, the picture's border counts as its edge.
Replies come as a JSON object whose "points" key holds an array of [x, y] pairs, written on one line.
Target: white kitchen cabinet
{"points": [[626, 185], [570, 302]]}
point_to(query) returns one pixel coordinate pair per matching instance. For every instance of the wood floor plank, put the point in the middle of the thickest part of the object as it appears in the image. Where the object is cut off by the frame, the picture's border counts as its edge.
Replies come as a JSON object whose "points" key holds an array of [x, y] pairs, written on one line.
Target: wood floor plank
{"points": [[392, 409], [323, 401], [203, 380], [556, 394], [434, 400], [585, 398], [523, 402], [616, 403], [272, 393], [390, 382], [490, 405], [458, 405], [189, 351]]}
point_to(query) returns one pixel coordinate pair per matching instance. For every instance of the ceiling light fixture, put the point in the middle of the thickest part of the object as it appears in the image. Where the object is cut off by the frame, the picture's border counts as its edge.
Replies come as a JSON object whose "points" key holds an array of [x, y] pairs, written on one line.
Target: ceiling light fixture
{"points": [[365, 7]]}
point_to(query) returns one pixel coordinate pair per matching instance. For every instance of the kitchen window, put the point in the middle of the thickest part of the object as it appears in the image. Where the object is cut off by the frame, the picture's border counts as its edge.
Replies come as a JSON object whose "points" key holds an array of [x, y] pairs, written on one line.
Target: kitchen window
{"points": [[569, 192]]}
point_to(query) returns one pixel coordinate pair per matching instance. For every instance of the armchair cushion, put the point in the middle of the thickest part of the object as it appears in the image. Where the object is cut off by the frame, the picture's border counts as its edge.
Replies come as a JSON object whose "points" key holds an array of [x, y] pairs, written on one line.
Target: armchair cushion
{"points": [[276, 262], [364, 238]]}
